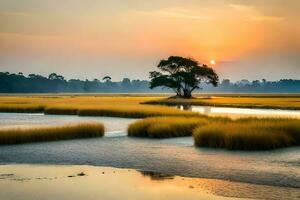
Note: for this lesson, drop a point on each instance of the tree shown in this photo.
(106, 78)
(126, 83)
(54, 76)
(183, 75)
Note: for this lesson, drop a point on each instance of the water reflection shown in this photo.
(184, 107)
(241, 112)
(47, 182)
(54, 182)
(175, 156)
(115, 126)
(156, 176)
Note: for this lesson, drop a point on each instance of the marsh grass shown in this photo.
(165, 127)
(111, 106)
(61, 110)
(21, 108)
(216, 132)
(130, 111)
(134, 111)
(39, 134)
(288, 102)
(249, 134)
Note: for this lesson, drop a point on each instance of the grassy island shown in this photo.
(243, 134)
(101, 105)
(275, 101)
(39, 134)
(166, 127)
(249, 134)
(162, 121)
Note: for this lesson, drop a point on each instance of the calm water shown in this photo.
(113, 126)
(242, 112)
(48, 182)
(176, 156)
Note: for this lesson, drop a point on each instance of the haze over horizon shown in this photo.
(248, 39)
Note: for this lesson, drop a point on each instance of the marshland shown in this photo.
(272, 171)
(149, 100)
(244, 149)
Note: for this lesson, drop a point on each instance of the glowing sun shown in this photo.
(212, 62)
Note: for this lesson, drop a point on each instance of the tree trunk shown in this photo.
(187, 93)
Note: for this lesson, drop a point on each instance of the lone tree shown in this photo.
(183, 75)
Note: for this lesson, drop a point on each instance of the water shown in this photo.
(176, 156)
(242, 112)
(113, 126)
(27, 182)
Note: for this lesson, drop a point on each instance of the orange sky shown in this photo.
(87, 38)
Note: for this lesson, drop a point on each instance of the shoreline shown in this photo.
(91, 182)
(219, 105)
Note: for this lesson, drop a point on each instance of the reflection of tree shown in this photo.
(156, 176)
(184, 107)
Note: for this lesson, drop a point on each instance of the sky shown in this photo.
(87, 39)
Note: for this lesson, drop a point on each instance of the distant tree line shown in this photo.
(256, 86)
(54, 83)
(18, 83)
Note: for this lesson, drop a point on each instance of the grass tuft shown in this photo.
(249, 134)
(39, 134)
(165, 127)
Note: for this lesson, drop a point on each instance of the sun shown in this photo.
(212, 62)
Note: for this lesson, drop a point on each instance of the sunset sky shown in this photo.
(251, 39)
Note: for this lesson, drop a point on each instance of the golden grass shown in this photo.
(243, 134)
(124, 105)
(280, 102)
(125, 111)
(134, 111)
(75, 100)
(114, 106)
(39, 134)
(61, 110)
(17, 108)
(165, 127)
(249, 134)
(117, 110)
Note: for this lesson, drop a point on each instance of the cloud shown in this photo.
(178, 13)
(287, 9)
(267, 18)
(241, 7)
(254, 14)
(184, 15)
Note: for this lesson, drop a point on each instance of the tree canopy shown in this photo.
(183, 75)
